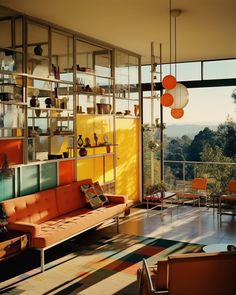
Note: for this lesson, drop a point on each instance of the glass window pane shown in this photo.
(146, 74)
(62, 55)
(221, 69)
(5, 29)
(207, 106)
(189, 71)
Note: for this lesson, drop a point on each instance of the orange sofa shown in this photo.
(191, 273)
(55, 215)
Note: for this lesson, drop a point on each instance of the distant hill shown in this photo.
(187, 129)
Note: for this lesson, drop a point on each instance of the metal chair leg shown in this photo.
(42, 262)
(117, 224)
(220, 206)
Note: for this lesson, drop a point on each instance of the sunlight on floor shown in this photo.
(183, 223)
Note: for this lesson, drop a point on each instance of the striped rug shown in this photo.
(89, 264)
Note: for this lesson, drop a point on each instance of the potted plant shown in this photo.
(153, 146)
(5, 170)
(156, 188)
(3, 221)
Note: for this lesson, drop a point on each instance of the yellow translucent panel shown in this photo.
(96, 169)
(128, 157)
(87, 125)
(101, 166)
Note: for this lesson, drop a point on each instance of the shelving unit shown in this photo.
(62, 85)
(94, 106)
(12, 102)
(127, 92)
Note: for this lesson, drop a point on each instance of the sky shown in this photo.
(206, 106)
(210, 105)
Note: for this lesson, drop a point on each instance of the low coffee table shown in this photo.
(159, 198)
(215, 248)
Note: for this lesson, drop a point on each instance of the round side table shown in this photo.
(215, 248)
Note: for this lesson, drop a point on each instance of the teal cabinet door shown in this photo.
(6, 187)
(48, 176)
(29, 180)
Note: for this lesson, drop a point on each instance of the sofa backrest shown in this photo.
(70, 197)
(202, 273)
(45, 205)
(35, 208)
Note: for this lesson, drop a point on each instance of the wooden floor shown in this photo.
(183, 223)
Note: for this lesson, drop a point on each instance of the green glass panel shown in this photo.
(29, 180)
(6, 187)
(48, 176)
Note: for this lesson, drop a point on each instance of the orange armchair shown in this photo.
(198, 190)
(229, 197)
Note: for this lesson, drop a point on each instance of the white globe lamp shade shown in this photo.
(180, 95)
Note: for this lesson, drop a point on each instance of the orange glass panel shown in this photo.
(66, 172)
(13, 148)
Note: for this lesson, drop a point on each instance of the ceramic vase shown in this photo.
(10, 117)
(38, 50)
(80, 141)
(82, 152)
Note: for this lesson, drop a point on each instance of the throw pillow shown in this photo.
(100, 192)
(91, 196)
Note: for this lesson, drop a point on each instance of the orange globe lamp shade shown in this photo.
(177, 113)
(169, 82)
(167, 99)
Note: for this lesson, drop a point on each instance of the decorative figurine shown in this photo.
(87, 142)
(105, 137)
(136, 110)
(96, 139)
(48, 102)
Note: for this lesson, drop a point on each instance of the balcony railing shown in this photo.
(179, 174)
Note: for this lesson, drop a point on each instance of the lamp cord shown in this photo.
(170, 34)
(175, 51)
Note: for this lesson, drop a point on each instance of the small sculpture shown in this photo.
(105, 137)
(136, 110)
(96, 139)
(48, 102)
(87, 142)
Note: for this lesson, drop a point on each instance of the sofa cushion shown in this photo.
(70, 197)
(73, 223)
(91, 196)
(35, 208)
(100, 192)
(94, 195)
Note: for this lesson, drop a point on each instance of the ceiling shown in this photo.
(205, 29)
